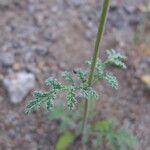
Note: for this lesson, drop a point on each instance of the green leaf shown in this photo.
(53, 83)
(112, 80)
(68, 77)
(115, 58)
(89, 93)
(34, 104)
(39, 94)
(50, 104)
(64, 141)
(39, 98)
(103, 125)
(100, 65)
(71, 99)
(50, 99)
(82, 75)
(100, 69)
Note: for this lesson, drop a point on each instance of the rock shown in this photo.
(19, 85)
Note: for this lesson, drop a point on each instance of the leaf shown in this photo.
(53, 83)
(64, 141)
(115, 58)
(82, 75)
(34, 104)
(71, 99)
(39, 98)
(102, 125)
(100, 69)
(50, 104)
(112, 80)
(89, 94)
(100, 65)
(50, 99)
(68, 77)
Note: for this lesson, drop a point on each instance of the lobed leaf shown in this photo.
(115, 58)
(100, 69)
(112, 80)
(68, 77)
(39, 98)
(89, 93)
(82, 75)
(53, 83)
(71, 99)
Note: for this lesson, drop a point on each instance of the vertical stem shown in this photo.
(99, 37)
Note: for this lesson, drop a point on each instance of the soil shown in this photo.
(45, 37)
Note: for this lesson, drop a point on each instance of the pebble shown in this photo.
(19, 85)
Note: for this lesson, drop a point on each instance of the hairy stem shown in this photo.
(99, 37)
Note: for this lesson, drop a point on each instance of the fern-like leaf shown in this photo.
(112, 80)
(100, 70)
(89, 94)
(53, 83)
(82, 75)
(68, 77)
(115, 58)
(71, 99)
(39, 99)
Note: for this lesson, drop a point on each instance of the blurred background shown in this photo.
(41, 38)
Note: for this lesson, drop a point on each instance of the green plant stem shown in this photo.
(101, 28)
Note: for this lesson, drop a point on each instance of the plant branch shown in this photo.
(99, 37)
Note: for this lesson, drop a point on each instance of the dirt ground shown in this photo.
(45, 37)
